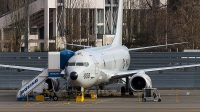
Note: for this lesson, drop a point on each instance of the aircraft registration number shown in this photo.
(86, 75)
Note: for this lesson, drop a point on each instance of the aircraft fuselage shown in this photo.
(84, 68)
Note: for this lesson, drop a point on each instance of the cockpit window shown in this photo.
(71, 64)
(86, 64)
(79, 64)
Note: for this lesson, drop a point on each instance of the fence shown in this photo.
(11, 79)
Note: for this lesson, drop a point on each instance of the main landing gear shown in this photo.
(125, 89)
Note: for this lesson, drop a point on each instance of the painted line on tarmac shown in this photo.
(60, 104)
(81, 103)
(32, 104)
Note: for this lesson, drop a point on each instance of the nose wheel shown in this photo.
(55, 98)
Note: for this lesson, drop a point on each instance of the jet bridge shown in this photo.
(56, 63)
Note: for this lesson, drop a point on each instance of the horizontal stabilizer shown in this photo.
(84, 46)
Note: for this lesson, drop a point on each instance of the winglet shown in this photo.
(118, 36)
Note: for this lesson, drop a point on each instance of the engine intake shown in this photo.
(140, 81)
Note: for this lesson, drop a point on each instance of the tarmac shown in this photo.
(172, 101)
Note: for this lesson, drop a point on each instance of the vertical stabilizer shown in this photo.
(118, 35)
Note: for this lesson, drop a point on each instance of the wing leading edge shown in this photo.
(125, 73)
(23, 67)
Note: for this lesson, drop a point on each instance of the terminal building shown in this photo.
(48, 24)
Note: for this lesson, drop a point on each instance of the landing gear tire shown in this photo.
(123, 91)
(55, 98)
(144, 100)
(131, 93)
(159, 100)
(142, 96)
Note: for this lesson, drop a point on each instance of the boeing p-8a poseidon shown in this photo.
(103, 65)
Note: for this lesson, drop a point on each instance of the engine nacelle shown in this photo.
(52, 83)
(139, 81)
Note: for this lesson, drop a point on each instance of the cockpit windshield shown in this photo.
(71, 64)
(86, 64)
(79, 64)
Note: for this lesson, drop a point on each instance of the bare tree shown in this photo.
(185, 22)
(145, 23)
(74, 22)
(15, 26)
(4, 5)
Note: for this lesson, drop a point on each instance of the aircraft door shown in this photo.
(96, 64)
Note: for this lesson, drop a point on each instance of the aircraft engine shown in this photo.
(52, 83)
(139, 81)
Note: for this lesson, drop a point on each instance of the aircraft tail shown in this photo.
(118, 35)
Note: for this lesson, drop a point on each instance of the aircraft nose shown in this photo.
(73, 75)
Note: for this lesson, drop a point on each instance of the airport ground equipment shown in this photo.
(39, 98)
(30, 85)
(50, 95)
(37, 85)
(66, 91)
(48, 78)
(150, 94)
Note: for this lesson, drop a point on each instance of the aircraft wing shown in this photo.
(141, 48)
(22, 67)
(125, 73)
